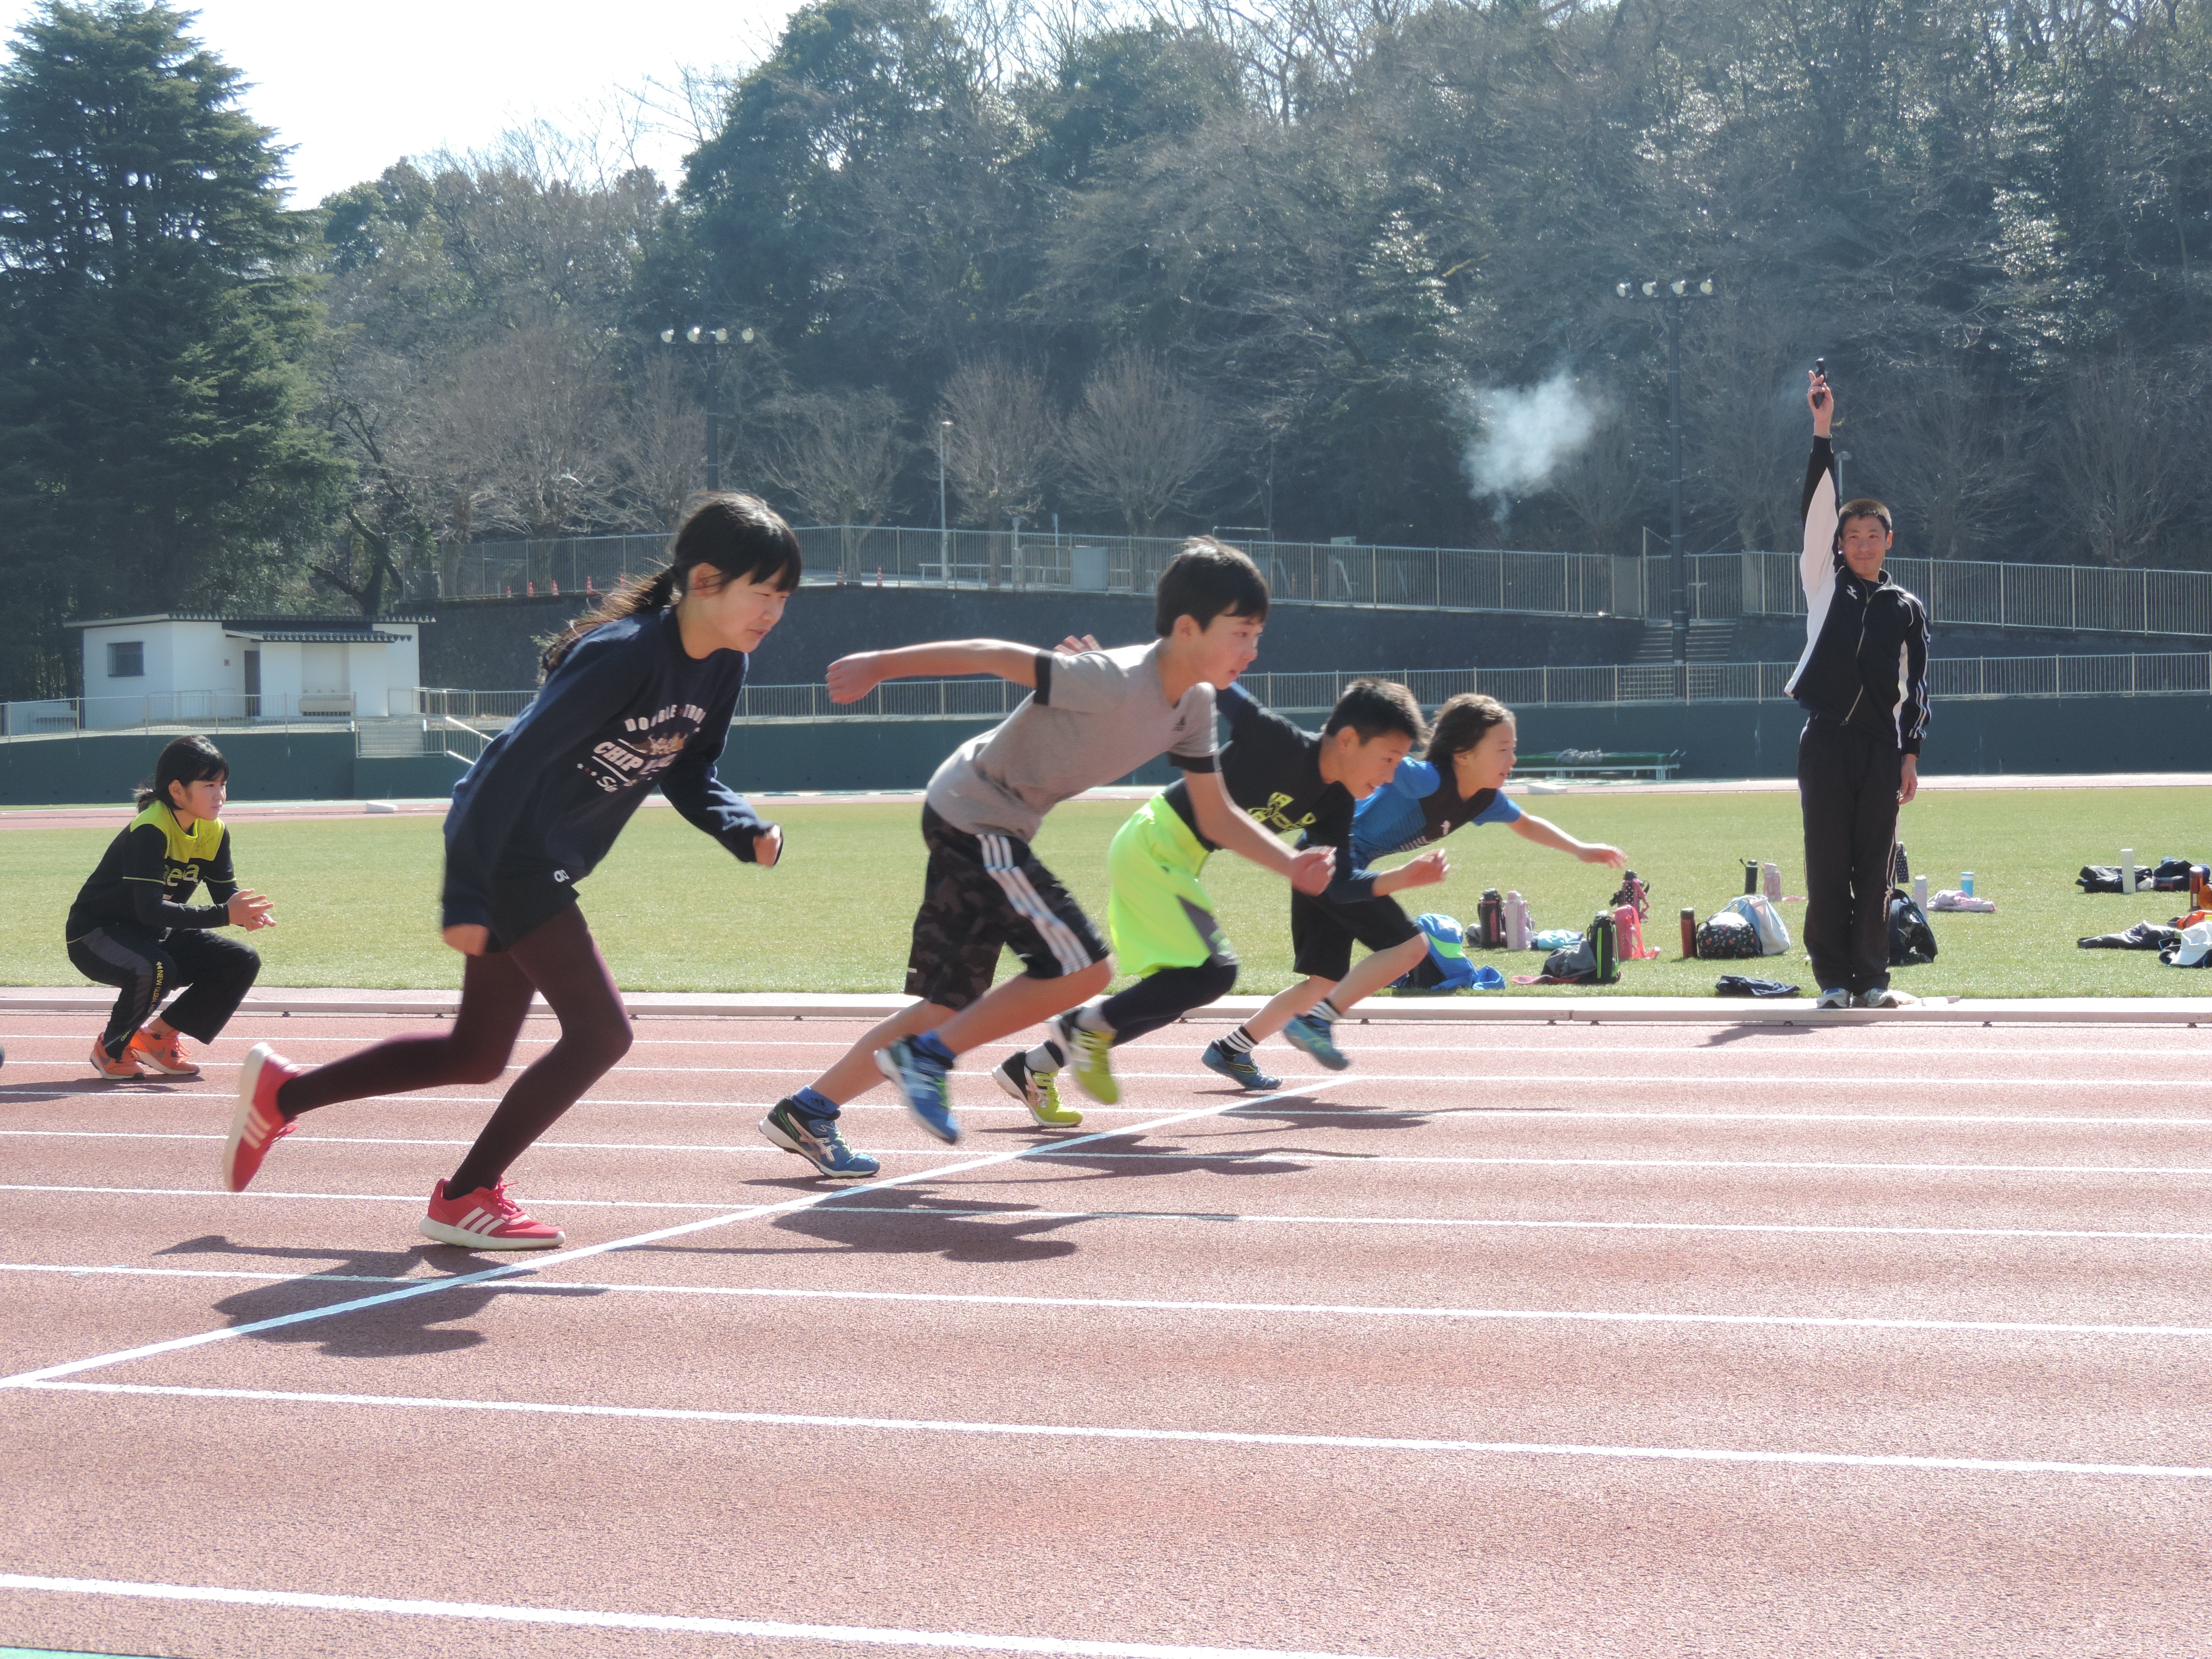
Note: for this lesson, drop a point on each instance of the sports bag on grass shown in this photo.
(1759, 910)
(1911, 940)
(1445, 968)
(1726, 936)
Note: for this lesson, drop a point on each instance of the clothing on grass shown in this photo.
(558, 960)
(1847, 784)
(982, 894)
(1421, 804)
(628, 710)
(148, 872)
(1865, 661)
(214, 972)
(1095, 717)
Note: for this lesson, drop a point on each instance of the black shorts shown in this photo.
(1322, 933)
(983, 893)
(520, 905)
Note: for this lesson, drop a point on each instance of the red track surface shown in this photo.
(1574, 1272)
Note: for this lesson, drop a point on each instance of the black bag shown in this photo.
(2105, 878)
(1594, 961)
(1911, 940)
(1726, 936)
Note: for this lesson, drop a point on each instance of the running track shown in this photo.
(1516, 1339)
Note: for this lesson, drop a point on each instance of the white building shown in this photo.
(187, 667)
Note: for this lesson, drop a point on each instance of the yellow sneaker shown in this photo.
(1038, 1090)
(1089, 1056)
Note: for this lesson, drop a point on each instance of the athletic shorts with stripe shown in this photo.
(1160, 915)
(1323, 933)
(982, 893)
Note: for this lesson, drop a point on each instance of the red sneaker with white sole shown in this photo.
(165, 1055)
(485, 1219)
(256, 1124)
(116, 1069)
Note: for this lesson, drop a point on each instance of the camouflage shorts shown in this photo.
(984, 894)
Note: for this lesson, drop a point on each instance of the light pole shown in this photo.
(1674, 292)
(710, 341)
(943, 524)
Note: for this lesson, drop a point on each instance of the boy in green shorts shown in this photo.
(1293, 782)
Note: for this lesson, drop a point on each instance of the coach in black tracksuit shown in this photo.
(1862, 683)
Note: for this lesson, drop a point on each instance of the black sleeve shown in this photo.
(1822, 460)
(222, 880)
(694, 788)
(1044, 679)
(145, 877)
(1912, 715)
(1197, 762)
(1347, 883)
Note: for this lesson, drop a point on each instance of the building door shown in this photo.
(253, 682)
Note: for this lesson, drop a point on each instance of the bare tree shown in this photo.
(1743, 380)
(2125, 448)
(839, 456)
(661, 446)
(1953, 456)
(1140, 439)
(544, 399)
(1606, 484)
(1001, 443)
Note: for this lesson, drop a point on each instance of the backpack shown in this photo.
(1726, 936)
(1759, 912)
(1911, 940)
(1596, 961)
(1445, 968)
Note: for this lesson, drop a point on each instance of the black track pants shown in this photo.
(148, 967)
(1847, 784)
(1165, 997)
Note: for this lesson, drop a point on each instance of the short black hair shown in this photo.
(1376, 708)
(1206, 579)
(1864, 507)
(1463, 722)
(183, 760)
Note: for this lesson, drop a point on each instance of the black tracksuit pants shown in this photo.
(149, 965)
(1847, 784)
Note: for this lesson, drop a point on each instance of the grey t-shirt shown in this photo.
(1092, 718)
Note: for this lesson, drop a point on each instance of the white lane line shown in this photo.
(684, 1624)
(554, 1258)
(1201, 1436)
(540, 1200)
(1293, 1154)
(1503, 1079)
(1299, 1309)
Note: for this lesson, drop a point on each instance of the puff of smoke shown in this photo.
(1519, 436)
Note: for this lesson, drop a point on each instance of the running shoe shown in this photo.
(485, 1219)
(1885, 998)
(1237, 1065)
(165, 1055)
(1834, 997)
(924, 1084)
(817, 1140)
(256, 1124)
(1090, 1057)
(1038, 1090)
(1316, 1037)
(118, 1069)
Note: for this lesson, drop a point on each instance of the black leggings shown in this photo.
(1165, 997)
(560, 959)
(148, 966)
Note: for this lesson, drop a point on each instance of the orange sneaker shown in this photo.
(165, 1055)
(127, 1067)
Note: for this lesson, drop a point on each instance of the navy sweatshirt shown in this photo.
(627, 711)
(1865, 663)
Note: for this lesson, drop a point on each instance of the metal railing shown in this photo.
(180, 711)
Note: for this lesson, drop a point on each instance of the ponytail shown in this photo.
(183, 760)
(739, 537)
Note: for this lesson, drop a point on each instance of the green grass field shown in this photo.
(356, 897)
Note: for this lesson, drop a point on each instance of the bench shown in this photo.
(1598, 763)
(327, 702)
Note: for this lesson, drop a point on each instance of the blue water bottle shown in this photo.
(1966, 882)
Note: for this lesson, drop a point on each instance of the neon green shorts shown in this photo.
(1161, 917)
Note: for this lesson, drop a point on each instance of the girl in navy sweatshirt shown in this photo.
(638, 694)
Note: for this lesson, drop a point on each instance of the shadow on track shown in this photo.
(1744, 1033)
(398, 1330)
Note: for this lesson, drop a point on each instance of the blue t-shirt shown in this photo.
(627, 710)
(1416, 807)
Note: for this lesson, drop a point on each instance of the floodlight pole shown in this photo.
(943, 524)
(710, 341)
(1678, 577)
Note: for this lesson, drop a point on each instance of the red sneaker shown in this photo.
(165, 1055)
(118, 1069)
(485, 1219)
(256, 1124)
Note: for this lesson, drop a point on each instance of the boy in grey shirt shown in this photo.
(1095, 716)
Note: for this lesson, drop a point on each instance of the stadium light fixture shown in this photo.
(710, 341)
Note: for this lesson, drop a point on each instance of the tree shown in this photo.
(661, 444)
(1002, 443)
(1139, 439)
(839, 456)
(2128, 447)
(155, 413)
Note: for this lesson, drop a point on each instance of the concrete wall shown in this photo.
(264, 766)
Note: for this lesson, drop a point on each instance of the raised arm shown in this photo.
(1816, 563)
(853, 677)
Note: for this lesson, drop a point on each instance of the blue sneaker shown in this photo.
(1316, 1038)
(817, 1140)
(1237, 1065)
(924, 1083)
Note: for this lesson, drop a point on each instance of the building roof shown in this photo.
(312, 636)
(352, 623)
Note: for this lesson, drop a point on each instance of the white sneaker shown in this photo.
(1886, 998)
(1834, 997)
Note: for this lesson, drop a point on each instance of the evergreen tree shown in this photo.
(154, 448)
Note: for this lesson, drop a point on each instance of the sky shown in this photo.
(352, 87)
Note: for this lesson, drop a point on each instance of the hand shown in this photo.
(1821, 400)
(768, 845)
(1429, 869)
(248, 910)
(1075, 646)
(853, 677)
(1908, 783)
(469, 939)
(1590, 853)
(1312, 870)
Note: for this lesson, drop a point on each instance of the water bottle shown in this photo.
(1517, 922)
(1750, 876)
(1966, 882)
(1491, 913)
(1689, 932)
(1920, 891)
(1769, 876)
(2127, 869)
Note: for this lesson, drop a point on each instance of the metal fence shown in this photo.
(182, 711)
(2084, 599)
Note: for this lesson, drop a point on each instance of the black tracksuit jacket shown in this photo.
(1865, 664)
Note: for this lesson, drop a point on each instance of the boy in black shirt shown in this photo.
(1294, 783)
